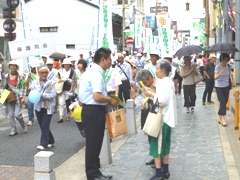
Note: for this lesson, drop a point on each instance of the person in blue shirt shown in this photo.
(93, 96)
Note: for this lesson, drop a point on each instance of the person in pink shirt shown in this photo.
(205, 59)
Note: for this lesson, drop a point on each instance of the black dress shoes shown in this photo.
(103, 177)
(151, 162)
(107, 176)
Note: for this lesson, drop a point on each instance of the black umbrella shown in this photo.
(223, 47)
(58, 56)
(188, 50)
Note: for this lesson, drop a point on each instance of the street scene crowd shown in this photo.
(63, 85)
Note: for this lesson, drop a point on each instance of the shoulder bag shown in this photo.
(197, 77)
(59, 85)
(129, 86)
(154, 121)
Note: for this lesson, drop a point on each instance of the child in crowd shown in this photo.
(72, 106)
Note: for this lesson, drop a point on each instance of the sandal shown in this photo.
(60, 121)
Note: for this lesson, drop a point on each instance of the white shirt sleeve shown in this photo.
(162, 92)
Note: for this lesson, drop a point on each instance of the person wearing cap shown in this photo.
(139, 63)
(154, 57)
(125, 72)
(124, 53)
(53, 73)
(145, 58)
(93, 96)
(64, 99)
(209, 79)
(114, 59)
(73, 60)
(15, 81)
(45, 107)
(81, 55)
(44, 60)
(31, 76)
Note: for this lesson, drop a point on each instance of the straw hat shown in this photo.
(131, 62)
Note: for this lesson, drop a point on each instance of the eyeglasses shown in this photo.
(44, 72)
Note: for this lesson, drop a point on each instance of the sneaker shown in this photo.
(192, 109)
(50, 145)
(13, 133)
(187, 110)
(40, 148)
(60, 121)
(210, 102)
(203, 103)
(30, 123)
(25, 129)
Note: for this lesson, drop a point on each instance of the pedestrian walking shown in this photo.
(45, 107)
(125, 72)
(189, 87)
(223, 82)
(93, 96)
(209, 80)
(200, 64)
(64, 99)
(167, 101)
(31, 76)
(15, 84)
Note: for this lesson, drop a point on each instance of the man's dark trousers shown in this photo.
(124, 90)
(93, 118)
(208, 89)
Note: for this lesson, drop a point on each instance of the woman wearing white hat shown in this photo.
(63, 98)
(15, 84)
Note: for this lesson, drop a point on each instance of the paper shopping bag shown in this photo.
(116, 123)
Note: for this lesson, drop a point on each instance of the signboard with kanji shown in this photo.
(31, 47)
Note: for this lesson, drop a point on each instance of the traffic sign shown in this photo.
(129, 40)
(9, 13)
(10, 36)
(9, 25)
(12, 3)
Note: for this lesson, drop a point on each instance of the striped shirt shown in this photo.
(223, 80)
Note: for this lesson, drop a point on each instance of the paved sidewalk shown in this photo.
(196, 150)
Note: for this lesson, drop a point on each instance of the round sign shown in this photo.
(129, 40)
(162, 21)
(9, 25)
(12, 3)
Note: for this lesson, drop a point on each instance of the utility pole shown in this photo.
(237, 42)
(123, 25)
(225, 22)
(207, 22)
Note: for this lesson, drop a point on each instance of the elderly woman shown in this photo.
(15, 84)
(189, 87)
(45, 107)
(223, 81)
(64, 99)
(165, 96)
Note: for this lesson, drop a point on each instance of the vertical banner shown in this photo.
(163, 25)
(105, 38)
(138, 31)
(149, 40)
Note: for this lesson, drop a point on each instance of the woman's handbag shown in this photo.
(197, 77)
(116, 123)
(59, 87)
(154, 122)
(11, 97)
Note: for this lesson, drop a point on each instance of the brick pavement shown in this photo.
(16, 173)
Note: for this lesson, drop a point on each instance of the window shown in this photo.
(120, 1)
(70, 46)
(49, 29)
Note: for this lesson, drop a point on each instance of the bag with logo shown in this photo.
(116, 123)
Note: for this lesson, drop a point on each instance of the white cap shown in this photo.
(13, 62)
(135, 52)
(124, 52)
(43, 68)
(66, 61)
(154, 52)
(49, 61)
(145, 51)
(139, 54)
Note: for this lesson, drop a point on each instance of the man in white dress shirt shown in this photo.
(125, 72)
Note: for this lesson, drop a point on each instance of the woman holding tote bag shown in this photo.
(165, 95)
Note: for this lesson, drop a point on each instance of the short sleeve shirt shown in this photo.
(189, 79)
(210, 68)
(92, 81)
(223, 80)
